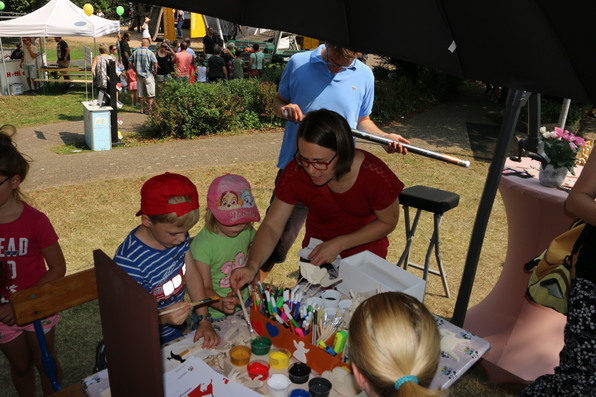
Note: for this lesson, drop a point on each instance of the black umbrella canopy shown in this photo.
(538, 46)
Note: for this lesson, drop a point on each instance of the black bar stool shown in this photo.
(437, 201)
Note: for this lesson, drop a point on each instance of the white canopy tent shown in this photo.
(55, 19)
(58, 18)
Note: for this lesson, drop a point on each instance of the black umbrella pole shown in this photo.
(514, 102)
(411, 148)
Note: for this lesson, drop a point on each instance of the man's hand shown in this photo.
(395, 146)
(292, 112)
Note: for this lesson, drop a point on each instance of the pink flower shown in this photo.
(573, 146)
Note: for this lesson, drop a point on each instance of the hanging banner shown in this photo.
(168, 24)
(197, 25)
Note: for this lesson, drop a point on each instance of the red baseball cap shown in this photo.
(156, 192)
(231, 201)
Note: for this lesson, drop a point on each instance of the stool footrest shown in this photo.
(420, 267)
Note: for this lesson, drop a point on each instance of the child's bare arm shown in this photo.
(196, 289)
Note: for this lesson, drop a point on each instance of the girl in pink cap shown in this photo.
(222, 245)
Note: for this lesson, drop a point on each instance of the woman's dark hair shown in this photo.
(329, 129)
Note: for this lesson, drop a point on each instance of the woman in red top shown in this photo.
(351, 196)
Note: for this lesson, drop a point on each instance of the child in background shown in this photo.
(131, 75)
(394, 346)
(156, 254)
(201, 71)
(238, 66)
(28, 243)
(222, 245)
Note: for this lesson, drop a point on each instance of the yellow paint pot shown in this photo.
(239, 355)
(279, 358)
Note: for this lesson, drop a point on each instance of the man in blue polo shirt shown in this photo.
(329, 77)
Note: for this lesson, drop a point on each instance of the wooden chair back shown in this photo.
(46, 299)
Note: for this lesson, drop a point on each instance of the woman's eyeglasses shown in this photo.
(317, 165)
(7, 178)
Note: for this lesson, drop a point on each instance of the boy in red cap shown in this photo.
(222, 245)
(156, 254)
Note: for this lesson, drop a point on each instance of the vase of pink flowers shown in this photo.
(561, 147)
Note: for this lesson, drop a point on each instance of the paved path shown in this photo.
(442, 128)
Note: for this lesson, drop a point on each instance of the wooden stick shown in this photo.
(245, 312)
(213, 298)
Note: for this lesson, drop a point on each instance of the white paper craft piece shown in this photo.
(449, 342)
(197, 378)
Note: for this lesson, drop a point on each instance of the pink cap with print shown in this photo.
(231, 201)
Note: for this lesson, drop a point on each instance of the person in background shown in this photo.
(29, 62)
(133, 85)
(144, 62)
(165, 63)
(99, 70)
(201, 70)
(156, 253)
(238, 66)
(576, 373)
(145, 29)
(222, 245)
(209, 42)
(63, 56)
(125, 49)
(29, 255)
(305, 87)
(256, 62)
(179, 21)
(182, 64)
(216, 66)
(188, 49)
(395, 346)
(352, 197)
(17, 53)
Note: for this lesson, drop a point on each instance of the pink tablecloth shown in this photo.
(526, 338)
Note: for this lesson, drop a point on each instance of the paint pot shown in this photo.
(345, 304)
(314, 302)
(299, 373)
(299, 393)
(258, 369)
(319, 387)
(279, 358)
(331, 298)
(239, 355)
(278, 385)
(260, 345)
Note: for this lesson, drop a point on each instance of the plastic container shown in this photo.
(278, 385)
(279, 358)
(299, 373)
(331, 298)
(260, 345)
(239, 355)
(319, 387)
(258, 369)
(299, 393)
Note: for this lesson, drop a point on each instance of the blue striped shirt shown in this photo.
(160, 272)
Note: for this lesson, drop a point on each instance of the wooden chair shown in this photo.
(43, 300)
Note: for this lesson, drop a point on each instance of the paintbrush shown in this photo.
(245, 312)
(213, 298)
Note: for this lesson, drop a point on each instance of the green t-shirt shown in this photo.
(222, 254)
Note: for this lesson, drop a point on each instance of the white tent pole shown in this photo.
(564, 113)
(4, 66)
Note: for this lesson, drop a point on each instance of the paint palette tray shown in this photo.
(366, 272)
